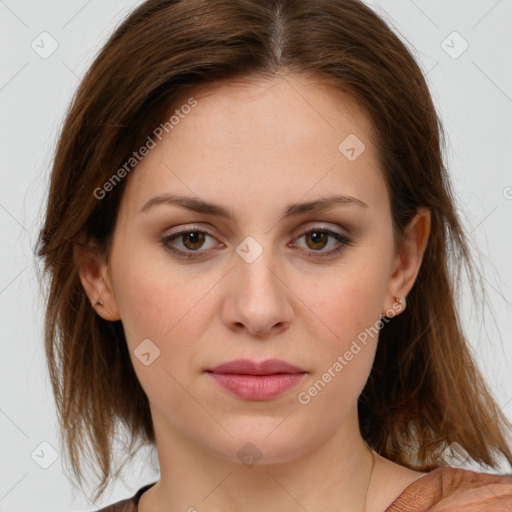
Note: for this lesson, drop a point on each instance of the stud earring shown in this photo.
(398, 300)
(99, 303)
(402, 302)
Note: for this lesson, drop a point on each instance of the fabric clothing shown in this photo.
(443, 489)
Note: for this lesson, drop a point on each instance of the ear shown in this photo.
(408, 259)
(94, 276)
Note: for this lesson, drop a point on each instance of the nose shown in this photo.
(258, 298)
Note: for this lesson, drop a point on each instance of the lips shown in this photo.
(248, 367)
(250, 380)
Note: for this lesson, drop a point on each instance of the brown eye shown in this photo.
(319, 239)
(189, 243)
(316, 240)
(193, 240)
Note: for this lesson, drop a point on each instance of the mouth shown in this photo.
(255, 381)
(248, 367)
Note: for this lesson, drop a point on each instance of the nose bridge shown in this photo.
(260, 276)
(259, 298)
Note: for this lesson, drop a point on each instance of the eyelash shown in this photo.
(344, 242)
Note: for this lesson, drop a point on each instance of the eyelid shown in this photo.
(188, 229)
(321, 226)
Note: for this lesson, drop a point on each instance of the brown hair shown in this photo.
(424, 391)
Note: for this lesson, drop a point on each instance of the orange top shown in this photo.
(443, 489)
(447, 489)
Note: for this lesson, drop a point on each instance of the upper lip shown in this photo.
(248, 367)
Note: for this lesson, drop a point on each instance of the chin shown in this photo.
(262, 444)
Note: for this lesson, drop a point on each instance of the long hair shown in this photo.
(425, 390)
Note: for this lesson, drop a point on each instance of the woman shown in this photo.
(253, 251)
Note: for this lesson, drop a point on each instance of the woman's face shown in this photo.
(260, 276)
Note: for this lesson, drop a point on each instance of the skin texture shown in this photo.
(254, 147)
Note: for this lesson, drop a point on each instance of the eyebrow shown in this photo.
(292, 210)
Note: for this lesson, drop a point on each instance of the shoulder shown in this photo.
(129, 504)
(447, 488)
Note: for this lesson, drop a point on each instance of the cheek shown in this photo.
(164, 304)
(162, 307)
(150, 296)
(347, 301)
(346, 306)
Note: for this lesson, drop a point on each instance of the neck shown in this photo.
(332, 475)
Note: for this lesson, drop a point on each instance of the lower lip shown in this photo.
(257, 387)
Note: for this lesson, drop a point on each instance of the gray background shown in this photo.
(472, 90)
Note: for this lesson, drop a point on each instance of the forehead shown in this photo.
(290, 106)
(287, 136)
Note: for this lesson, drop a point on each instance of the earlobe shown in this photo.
(94, 278)
(409, 257)
(399, 305)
